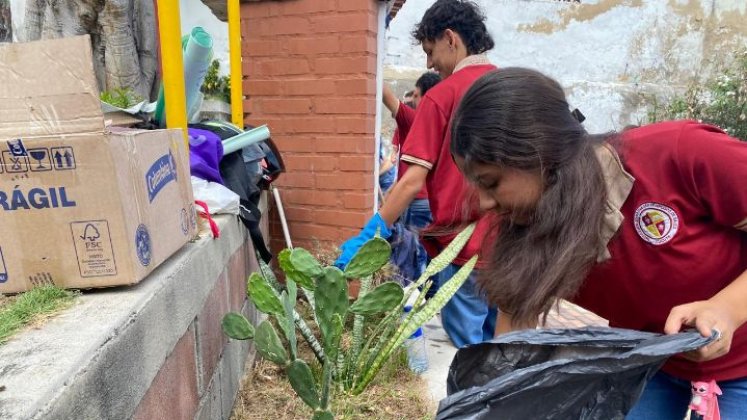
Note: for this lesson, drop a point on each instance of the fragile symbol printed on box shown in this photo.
(40, 161)
(93, 247)
(63, 158)
(19, 159)
(3, 268)
(15, 164)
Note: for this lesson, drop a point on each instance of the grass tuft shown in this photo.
(18, 311)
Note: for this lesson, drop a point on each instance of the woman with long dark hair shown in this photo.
(647, 228)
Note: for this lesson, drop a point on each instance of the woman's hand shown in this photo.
(705, 316)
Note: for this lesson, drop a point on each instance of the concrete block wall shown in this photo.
(310, 74)
(150, 351)
(201, 376)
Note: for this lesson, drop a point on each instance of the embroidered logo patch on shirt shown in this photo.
(656, 223)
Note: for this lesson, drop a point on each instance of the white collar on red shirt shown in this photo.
(619, 183)
(472, 60)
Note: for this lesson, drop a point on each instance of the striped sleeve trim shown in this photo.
(417, 161)
(742, 225)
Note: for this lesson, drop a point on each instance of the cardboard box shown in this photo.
(81, 206)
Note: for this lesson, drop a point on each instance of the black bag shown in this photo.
(589, 373)
(242, 173)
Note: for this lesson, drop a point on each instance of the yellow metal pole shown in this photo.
(172, 65)
(234, 45)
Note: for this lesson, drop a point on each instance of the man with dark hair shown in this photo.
(454, 38)
(424, 83)
(418, 214)
(411, 259)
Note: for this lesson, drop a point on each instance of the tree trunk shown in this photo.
(35, 12)
(6, 27)
(123, 37)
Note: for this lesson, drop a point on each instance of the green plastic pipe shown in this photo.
(198, 52)
(246, 138)
(197, 49)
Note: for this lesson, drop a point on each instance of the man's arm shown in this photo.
(403, 193)
(388, 162)
(390, 101)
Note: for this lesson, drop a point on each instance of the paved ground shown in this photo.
(441, 351)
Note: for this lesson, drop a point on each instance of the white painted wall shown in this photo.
(605, 52)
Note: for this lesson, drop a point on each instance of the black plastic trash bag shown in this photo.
(589, 373)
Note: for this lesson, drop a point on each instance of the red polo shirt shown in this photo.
(683, 238)
(404, 118)
(451, 198)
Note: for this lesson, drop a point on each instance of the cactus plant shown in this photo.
(369, 259)
(287, 323)
(409, 326)
(345, 364)
(382, 299)
(301, 324)
(237, 326)
(292, 272)
(326, 287)
(323, 415)
(331, 295)
(268, 344)
(304, 275)
(302, 381)
(305, 264)
(264, 296)
(385, 331)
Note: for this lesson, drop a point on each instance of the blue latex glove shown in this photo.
(352, 245)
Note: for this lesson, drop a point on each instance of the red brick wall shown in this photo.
(310, 74)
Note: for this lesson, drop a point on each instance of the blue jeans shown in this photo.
(416, 217)
(666, 397)
(467, 318)
(386, 179)
(418, 214)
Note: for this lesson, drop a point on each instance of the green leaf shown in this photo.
(369, 259)
(305, 263)
(382, 299)
(237, 326)
(323, 415)
(264, 296)
(303, 280)
(302, 381)
(268, 344)
(417, 319)
(331, 296)
(287, 323)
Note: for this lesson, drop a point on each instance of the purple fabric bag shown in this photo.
(205, 153)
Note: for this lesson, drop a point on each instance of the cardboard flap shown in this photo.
(48, 87)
